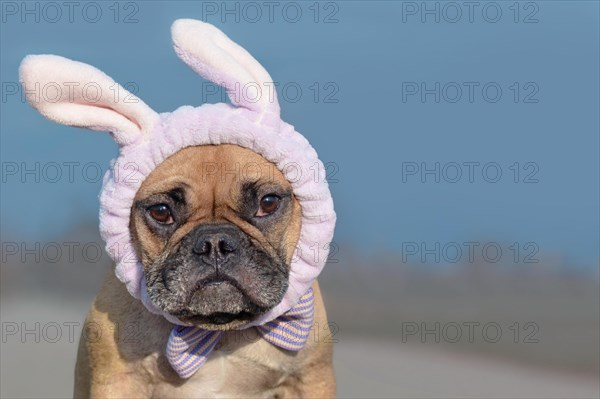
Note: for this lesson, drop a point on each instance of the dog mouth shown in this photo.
(218, 318)
(216, 281)
(217, 300)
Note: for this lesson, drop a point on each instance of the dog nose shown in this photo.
(215, 243)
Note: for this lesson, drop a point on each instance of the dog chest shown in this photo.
(234, 370)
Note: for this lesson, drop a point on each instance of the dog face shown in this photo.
(215, 227)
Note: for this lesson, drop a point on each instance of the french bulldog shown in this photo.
(214, 291)
(216, 244)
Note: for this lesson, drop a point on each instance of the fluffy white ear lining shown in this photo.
(76, 94)
(215, 57)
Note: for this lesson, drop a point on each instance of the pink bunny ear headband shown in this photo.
(77, 94)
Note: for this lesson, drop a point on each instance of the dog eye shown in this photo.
(268, 204)
(161, 213)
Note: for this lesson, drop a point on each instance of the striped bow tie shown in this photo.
(189, 347)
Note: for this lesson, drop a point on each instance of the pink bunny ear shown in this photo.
(76, 94)
(214, 56)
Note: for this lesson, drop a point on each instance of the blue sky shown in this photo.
(387, 93)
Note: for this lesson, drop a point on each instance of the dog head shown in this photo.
(215, 227)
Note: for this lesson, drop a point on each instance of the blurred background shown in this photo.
(461, 141)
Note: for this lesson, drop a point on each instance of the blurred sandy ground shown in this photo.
(370, 300)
